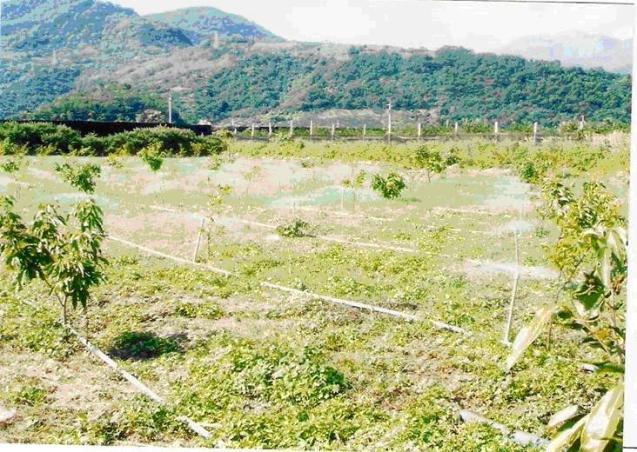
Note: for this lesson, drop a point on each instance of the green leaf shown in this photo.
(562, 416)
(603, 420)
(528, 335)
(589, 296)
(567, 437)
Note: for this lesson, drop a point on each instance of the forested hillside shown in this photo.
(452, 84)
(92, 60)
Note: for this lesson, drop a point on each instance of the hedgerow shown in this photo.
(51, 139)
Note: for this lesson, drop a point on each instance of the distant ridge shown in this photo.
(200, 23)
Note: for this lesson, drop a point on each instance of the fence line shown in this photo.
(313, 131)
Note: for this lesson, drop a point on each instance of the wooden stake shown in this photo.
(506, 337)
(201, 227)
(342, 198)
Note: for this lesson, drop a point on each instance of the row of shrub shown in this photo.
(51, 139)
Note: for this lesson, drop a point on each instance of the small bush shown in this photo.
(297, 228)
(142, 345)
(152, 156)
(208, 311)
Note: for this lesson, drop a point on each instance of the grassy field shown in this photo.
(259, 367)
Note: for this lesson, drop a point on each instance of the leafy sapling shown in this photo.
(430, 160)
(153, 156)
(354, 184)
(591, 256)
(12, 166)
(62, 251)
(390, 187)
(216, 202)
(82, 177)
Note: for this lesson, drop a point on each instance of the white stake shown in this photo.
(333, 131)
(419, 130)
(252, 132)
(455, 128)
(270, 129)
(291, 129)
(311, 129)
(535, 132)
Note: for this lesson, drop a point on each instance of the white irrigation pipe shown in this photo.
(469, 211)
(311, 295)
(325, 238)
(134, 381)
(141, 387)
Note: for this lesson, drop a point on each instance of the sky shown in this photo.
(413, 23)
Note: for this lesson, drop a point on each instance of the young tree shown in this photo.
(354, 184)
(430, 160)
(63, 251)
(82, 177)
(12, 166)
(389, 187)
(215, 206)
(591, 256)
(153, 156)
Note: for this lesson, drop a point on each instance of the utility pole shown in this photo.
(216, 44)
(170, 107)
(389, 124)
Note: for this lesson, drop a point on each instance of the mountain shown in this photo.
(43, 26)
(576, 49)
(202, 23)
(108, 63)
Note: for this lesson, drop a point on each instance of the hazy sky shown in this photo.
(412, 23)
